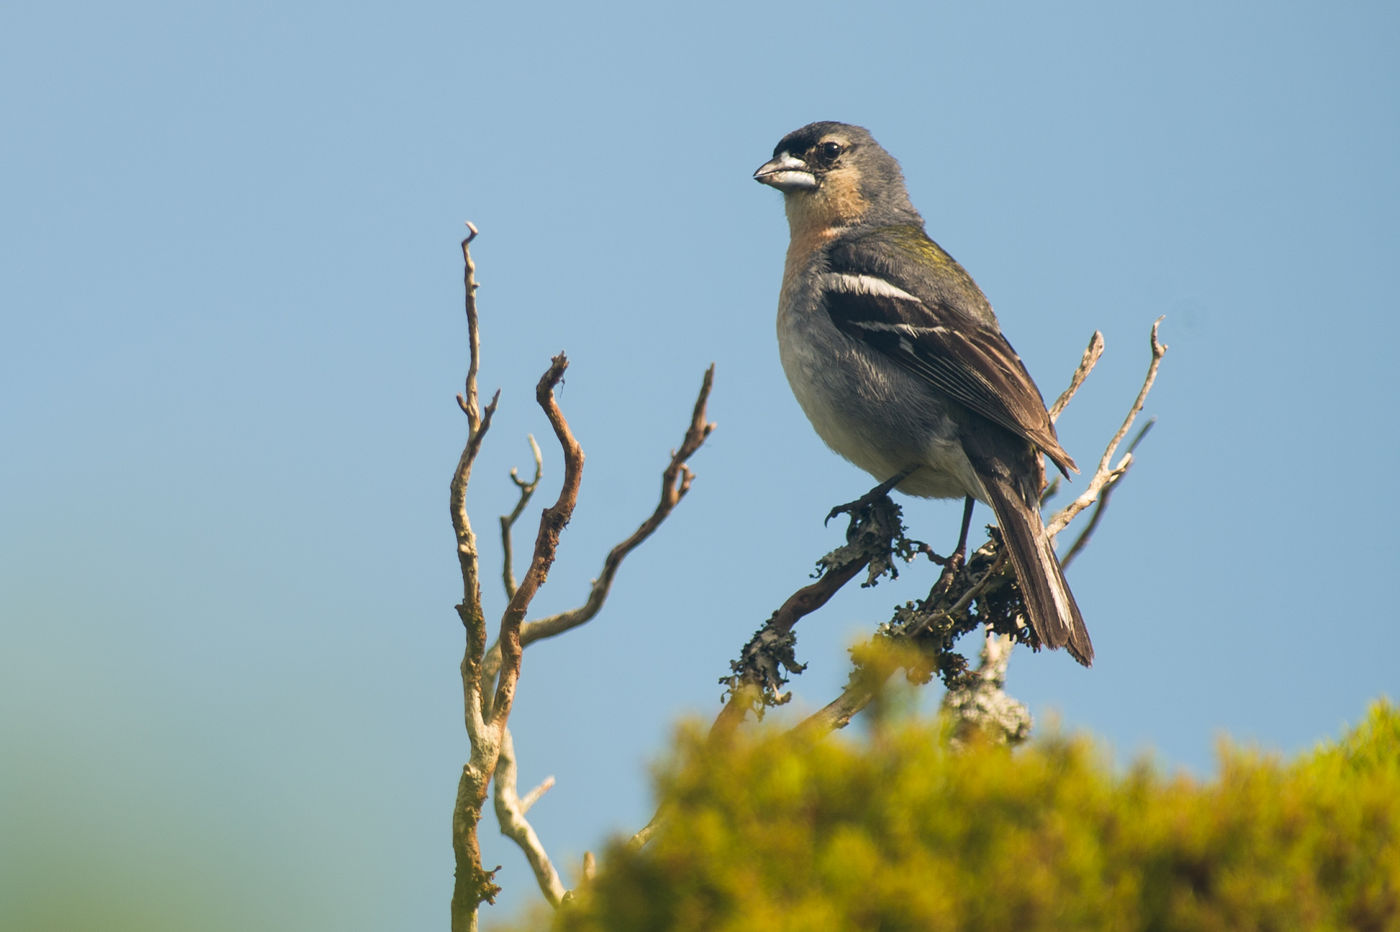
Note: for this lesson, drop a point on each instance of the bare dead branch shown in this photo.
(527, 802)
(552, 522)
(468, 404)
(1107, 473)
(474, 884)
(487, 712)
(676, 479)
(1092, 352)
(486, 721)
(510, 813)
(1096, 515)
(526, 489)
(675, 483)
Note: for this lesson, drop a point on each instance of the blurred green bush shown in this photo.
(896, 831)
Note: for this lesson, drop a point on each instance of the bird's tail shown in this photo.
(1053, 612)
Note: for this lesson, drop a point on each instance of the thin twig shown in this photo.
(1107, 473)
(1096, 515)
(1092, 352)
(676, 480)
(468, 404)
(526, 489)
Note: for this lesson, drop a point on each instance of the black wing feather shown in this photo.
(925, 332)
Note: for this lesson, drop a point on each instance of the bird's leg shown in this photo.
(855, 508)
(954, 561)
(961, 551)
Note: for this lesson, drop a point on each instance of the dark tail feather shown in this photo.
(1053, 612)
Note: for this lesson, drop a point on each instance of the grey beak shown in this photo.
(786, 173)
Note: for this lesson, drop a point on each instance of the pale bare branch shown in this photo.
(1107, 472)
(510, 813)
(1092, 352)
(1096, 515)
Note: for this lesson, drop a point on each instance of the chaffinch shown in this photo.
(895, 355)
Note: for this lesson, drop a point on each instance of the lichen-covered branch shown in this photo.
(756, 679)
(931, 625)
(982, 705)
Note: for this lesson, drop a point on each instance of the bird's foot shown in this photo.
(859, 508)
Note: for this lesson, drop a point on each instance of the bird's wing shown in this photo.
(889, 293)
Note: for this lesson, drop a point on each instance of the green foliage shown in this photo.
(899, 832)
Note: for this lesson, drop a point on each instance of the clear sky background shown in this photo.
(232, 332)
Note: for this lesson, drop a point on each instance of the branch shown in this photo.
(486, 721)
(675, 483)
(759, 672)
(1092, 352)
(875, 536)
(676, 479)
(1108, 473)
(510, 813)
(982, 706)
(552, 522)
(1096, 515)
(474, 884)
(527, 489)
(944, 614)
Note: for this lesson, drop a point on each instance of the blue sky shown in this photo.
(233, 333)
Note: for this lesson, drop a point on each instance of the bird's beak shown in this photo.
(786, 173)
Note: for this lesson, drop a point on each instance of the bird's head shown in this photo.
(836, 174)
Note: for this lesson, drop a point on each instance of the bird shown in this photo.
(895, 356)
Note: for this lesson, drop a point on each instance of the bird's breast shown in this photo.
(869, 409)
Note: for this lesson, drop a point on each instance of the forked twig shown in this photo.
(526, 489)
(676, 480)
(1107, 472)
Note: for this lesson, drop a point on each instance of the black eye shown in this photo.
(828, 151)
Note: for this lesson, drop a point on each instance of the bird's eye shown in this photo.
(829, 151)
